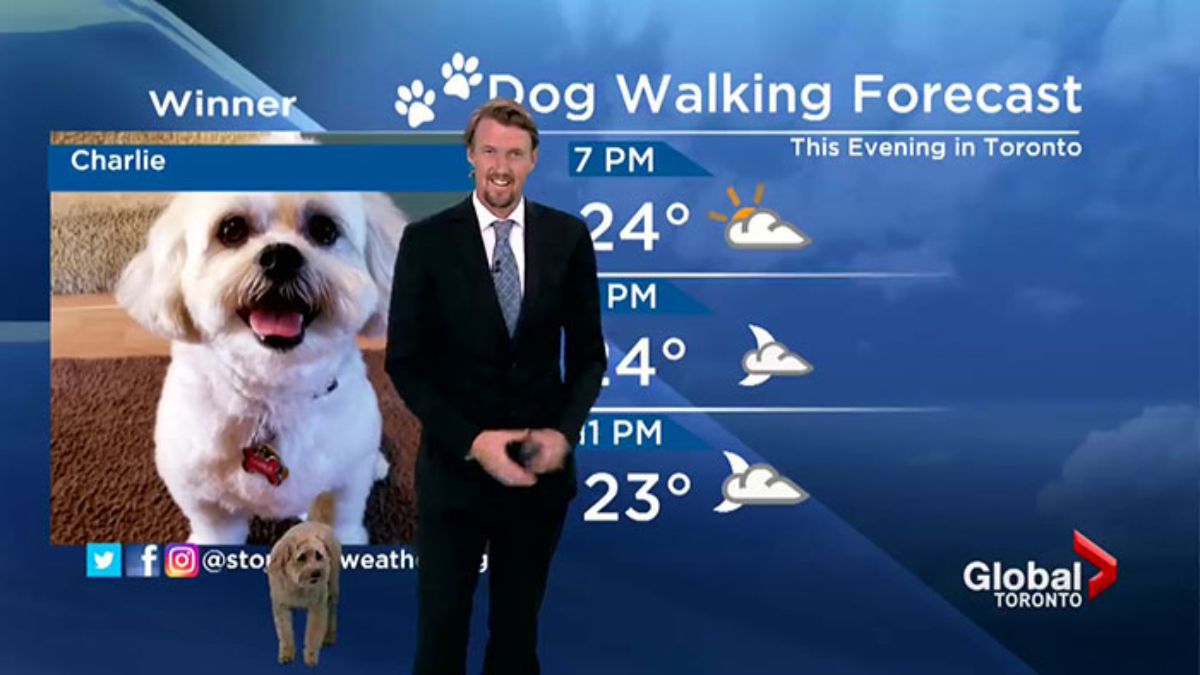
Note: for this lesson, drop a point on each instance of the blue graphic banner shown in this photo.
(630, 158)
(167, 168)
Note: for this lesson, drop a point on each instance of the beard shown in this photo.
(501, 198)
(500, 201)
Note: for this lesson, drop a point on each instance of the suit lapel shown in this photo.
(466, 230)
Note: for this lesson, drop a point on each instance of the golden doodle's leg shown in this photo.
(314, 635)
(331, 631)
(283, 629)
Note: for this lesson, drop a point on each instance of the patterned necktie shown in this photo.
(505, 275)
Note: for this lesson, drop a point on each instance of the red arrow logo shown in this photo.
(1089, 551)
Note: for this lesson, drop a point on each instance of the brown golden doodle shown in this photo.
(303, 574)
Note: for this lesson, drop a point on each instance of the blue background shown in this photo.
(1061, 339)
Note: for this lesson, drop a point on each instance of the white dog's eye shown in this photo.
(319, 556)
(322, 229)
(233, 230)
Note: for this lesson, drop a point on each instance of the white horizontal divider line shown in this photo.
(810, 132)
(735, 410)
(753, 132)
(773, 275)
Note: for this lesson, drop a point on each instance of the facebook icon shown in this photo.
(142, 560)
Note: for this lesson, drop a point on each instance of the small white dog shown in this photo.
(266, 402)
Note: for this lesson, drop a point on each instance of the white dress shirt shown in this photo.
(516, 236)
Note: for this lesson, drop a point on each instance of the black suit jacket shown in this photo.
(451, 359)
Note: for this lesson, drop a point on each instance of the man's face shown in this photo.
(502, 156)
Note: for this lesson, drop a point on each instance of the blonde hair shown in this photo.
(505, 111)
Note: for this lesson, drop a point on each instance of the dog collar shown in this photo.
(264, 459)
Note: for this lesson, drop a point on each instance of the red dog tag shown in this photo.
(264, 459)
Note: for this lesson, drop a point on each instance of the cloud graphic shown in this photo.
(775, 359)
(762, 484)
(1047, 303)
(1152, 456)
(755, 484)
(1133, 485)
(764, 230)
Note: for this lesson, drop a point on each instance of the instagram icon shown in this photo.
(183, 561)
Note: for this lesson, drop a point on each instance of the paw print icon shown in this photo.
(415, 103)
(460, 76)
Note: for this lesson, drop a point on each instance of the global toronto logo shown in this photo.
(1035, 587)
(415, 101)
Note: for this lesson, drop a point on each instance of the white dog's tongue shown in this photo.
(282, 324)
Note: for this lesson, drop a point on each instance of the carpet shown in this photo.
(94, 234)
(93, 237)
(103, 483)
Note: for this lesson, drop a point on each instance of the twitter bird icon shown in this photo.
(103, 560)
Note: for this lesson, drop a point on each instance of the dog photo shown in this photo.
(266, 402)
(217, 362)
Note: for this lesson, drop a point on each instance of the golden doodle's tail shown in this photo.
(323, 509)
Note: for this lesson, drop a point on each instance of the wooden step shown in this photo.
(94, 326)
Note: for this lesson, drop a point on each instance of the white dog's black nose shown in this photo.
(280, 262)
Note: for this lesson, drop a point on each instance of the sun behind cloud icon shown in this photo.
(765, 230)
(754, 227)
